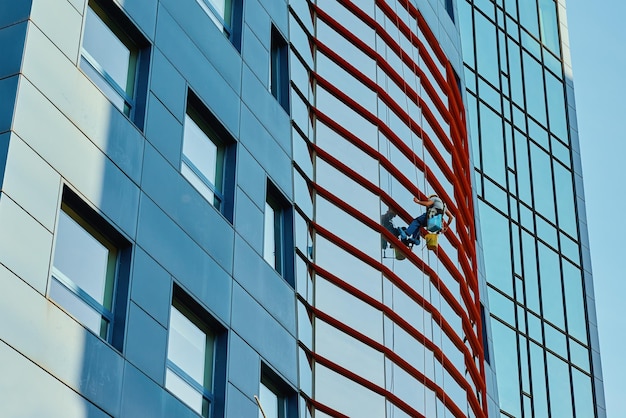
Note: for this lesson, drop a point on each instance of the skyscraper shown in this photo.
(201, 203)
(522, 117)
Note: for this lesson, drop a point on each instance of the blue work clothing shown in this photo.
(414, 227)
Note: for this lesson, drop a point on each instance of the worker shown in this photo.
(432, 220)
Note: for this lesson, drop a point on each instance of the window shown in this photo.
(278, 232)
(226, 14)
(90, 269)
(450, 9)
(483, 329)
(279, 69)
(114, 55)
(276, 399)
(208, 157)
(195, 370)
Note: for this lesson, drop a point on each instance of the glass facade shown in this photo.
(382, 122)
(526, 163)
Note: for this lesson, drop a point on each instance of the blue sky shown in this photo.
(597, 32)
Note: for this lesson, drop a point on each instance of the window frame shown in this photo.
(279, 68)
(225, 157)
(276, 259)
(133, 95)
(224, 20)
(188, 307)
(230, 22)
(286, 396)
(282, 233)
(112, 309)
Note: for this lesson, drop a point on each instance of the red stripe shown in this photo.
(398, 320)
(460, 175)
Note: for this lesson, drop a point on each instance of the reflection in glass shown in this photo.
(270, 236)
(549, 25)
(486, 49)
(497, 256)
(203, 158)
(109, 57)
(542, 185)
(348, 309)
(533, 87)
(537, 367)
(270, 402)
(556, 105)
(492, 145)
(565, 200)
(220, 13)
(579, 355)
(349, 352)
(528, 17)
(574, 301)
(190, 358)
(560, 393)
(522, 167)
(340, 393)
(556, 340)
(515, 73)
(83, 272)
(505, 354)
(551, 290)
(583, 394)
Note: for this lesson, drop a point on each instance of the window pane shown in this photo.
(583, 394)
(269, 402)
(81, 258)
(549, 25)
(107, 49)
(84, 313)
(560, 392)
(486, 49)
(110, 92)
(528, 17)
(197, 183)
(219, 11)
(184, 391)
(269, 245)
(200, 150)
(492, 144)
(551, 290)
(556, 106)
(542, 184)
(505, 354)
(574, 301)
(533, 87)
(497, 256)
(220, 6)
(187, 346)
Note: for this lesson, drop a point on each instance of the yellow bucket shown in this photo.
(432, 241)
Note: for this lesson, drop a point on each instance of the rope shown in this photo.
(410, 125)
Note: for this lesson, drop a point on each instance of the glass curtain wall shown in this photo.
(525, 170)
(384, 330)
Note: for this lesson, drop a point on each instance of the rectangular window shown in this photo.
(226, 14)
(195, 368)
(279, 69)
(276, 399)
(114, 55)
(208, 157)
(90, 269)
(278, 232)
